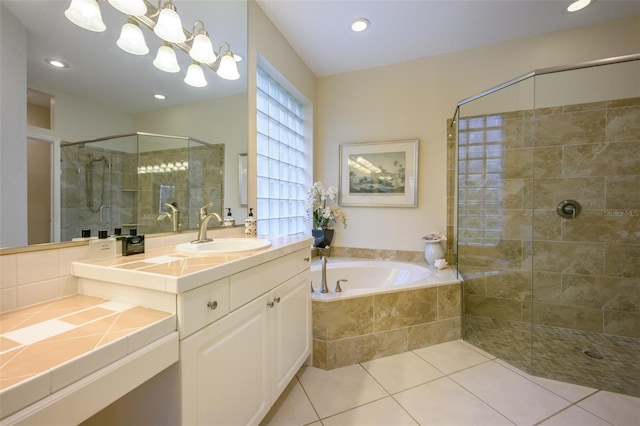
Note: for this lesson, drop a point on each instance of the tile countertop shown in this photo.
(45, 347)
(164, 269)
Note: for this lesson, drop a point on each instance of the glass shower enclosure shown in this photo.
(548, 222)
(136, 181)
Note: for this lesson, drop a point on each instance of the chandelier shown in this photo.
(165, 22)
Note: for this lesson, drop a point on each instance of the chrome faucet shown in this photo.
(174, 215)
(324, 288)
(204, 223)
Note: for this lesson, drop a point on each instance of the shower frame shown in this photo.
(524, 345)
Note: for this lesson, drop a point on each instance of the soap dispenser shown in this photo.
(228, 219)
(250, 225)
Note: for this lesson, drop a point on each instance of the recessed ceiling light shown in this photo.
(578, 5)
(56, 63)
(159, 96)
(360, 24)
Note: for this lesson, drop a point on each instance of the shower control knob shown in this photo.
(568, 209)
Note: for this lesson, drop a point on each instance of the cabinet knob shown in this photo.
(212, 305)
(306, 259)
(270, 304)
(277, 299)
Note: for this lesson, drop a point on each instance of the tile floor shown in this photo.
(453, 383)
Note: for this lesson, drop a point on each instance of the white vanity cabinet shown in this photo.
(234, 368)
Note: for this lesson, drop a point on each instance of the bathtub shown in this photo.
(367, 277)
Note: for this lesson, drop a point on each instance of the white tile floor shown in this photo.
(453, 383)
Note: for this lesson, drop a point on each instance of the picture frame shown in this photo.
(379, 174)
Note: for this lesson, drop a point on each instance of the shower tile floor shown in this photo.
(559, 353)
(452, 383)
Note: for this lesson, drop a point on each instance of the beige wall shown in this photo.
(414, 100)
(76, 118)
(268, 45)
(13, 149)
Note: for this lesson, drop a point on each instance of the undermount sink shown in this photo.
(224, 245)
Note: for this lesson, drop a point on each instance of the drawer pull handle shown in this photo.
(270, 304)
(306, 259)
(212, 305)
(277, 299)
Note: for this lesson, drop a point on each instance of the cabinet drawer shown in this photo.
(202, 306)
(247, 285)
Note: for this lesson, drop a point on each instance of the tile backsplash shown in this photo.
(37, 276)
(33, 275)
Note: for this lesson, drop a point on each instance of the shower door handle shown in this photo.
(102, 209)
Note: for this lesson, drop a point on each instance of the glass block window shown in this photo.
(481, 180)
(281, 160)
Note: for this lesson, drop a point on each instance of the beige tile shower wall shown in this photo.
(360, 329)
(149, 189)
(202, 183)
(586, 271)
(75, 196)
(206, 180)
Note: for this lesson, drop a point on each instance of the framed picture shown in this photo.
(383, 174)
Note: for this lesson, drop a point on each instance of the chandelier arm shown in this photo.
(224, 43)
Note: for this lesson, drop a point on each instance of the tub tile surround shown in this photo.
(354, 330)
(46, 347)
(584, 273)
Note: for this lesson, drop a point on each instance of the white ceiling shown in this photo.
(401, 30)
(317, 29)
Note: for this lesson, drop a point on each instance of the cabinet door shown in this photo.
(291, 332)
(225, 369)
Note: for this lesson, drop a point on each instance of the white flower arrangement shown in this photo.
(321, 206)
(434, 237)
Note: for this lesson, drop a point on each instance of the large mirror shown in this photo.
(106, 92)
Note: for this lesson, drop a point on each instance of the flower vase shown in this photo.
(433, 251)
(322, 236)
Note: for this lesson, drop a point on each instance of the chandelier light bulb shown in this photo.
(131, 39)
(195, 75)
(169, 25)
(85, 14)
(130, 7)
(202, 50)
(166, 59)
(228, 68)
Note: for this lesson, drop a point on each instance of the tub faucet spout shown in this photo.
(324, 288)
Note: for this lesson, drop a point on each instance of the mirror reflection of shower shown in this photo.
(113, 182)
(95, 175)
